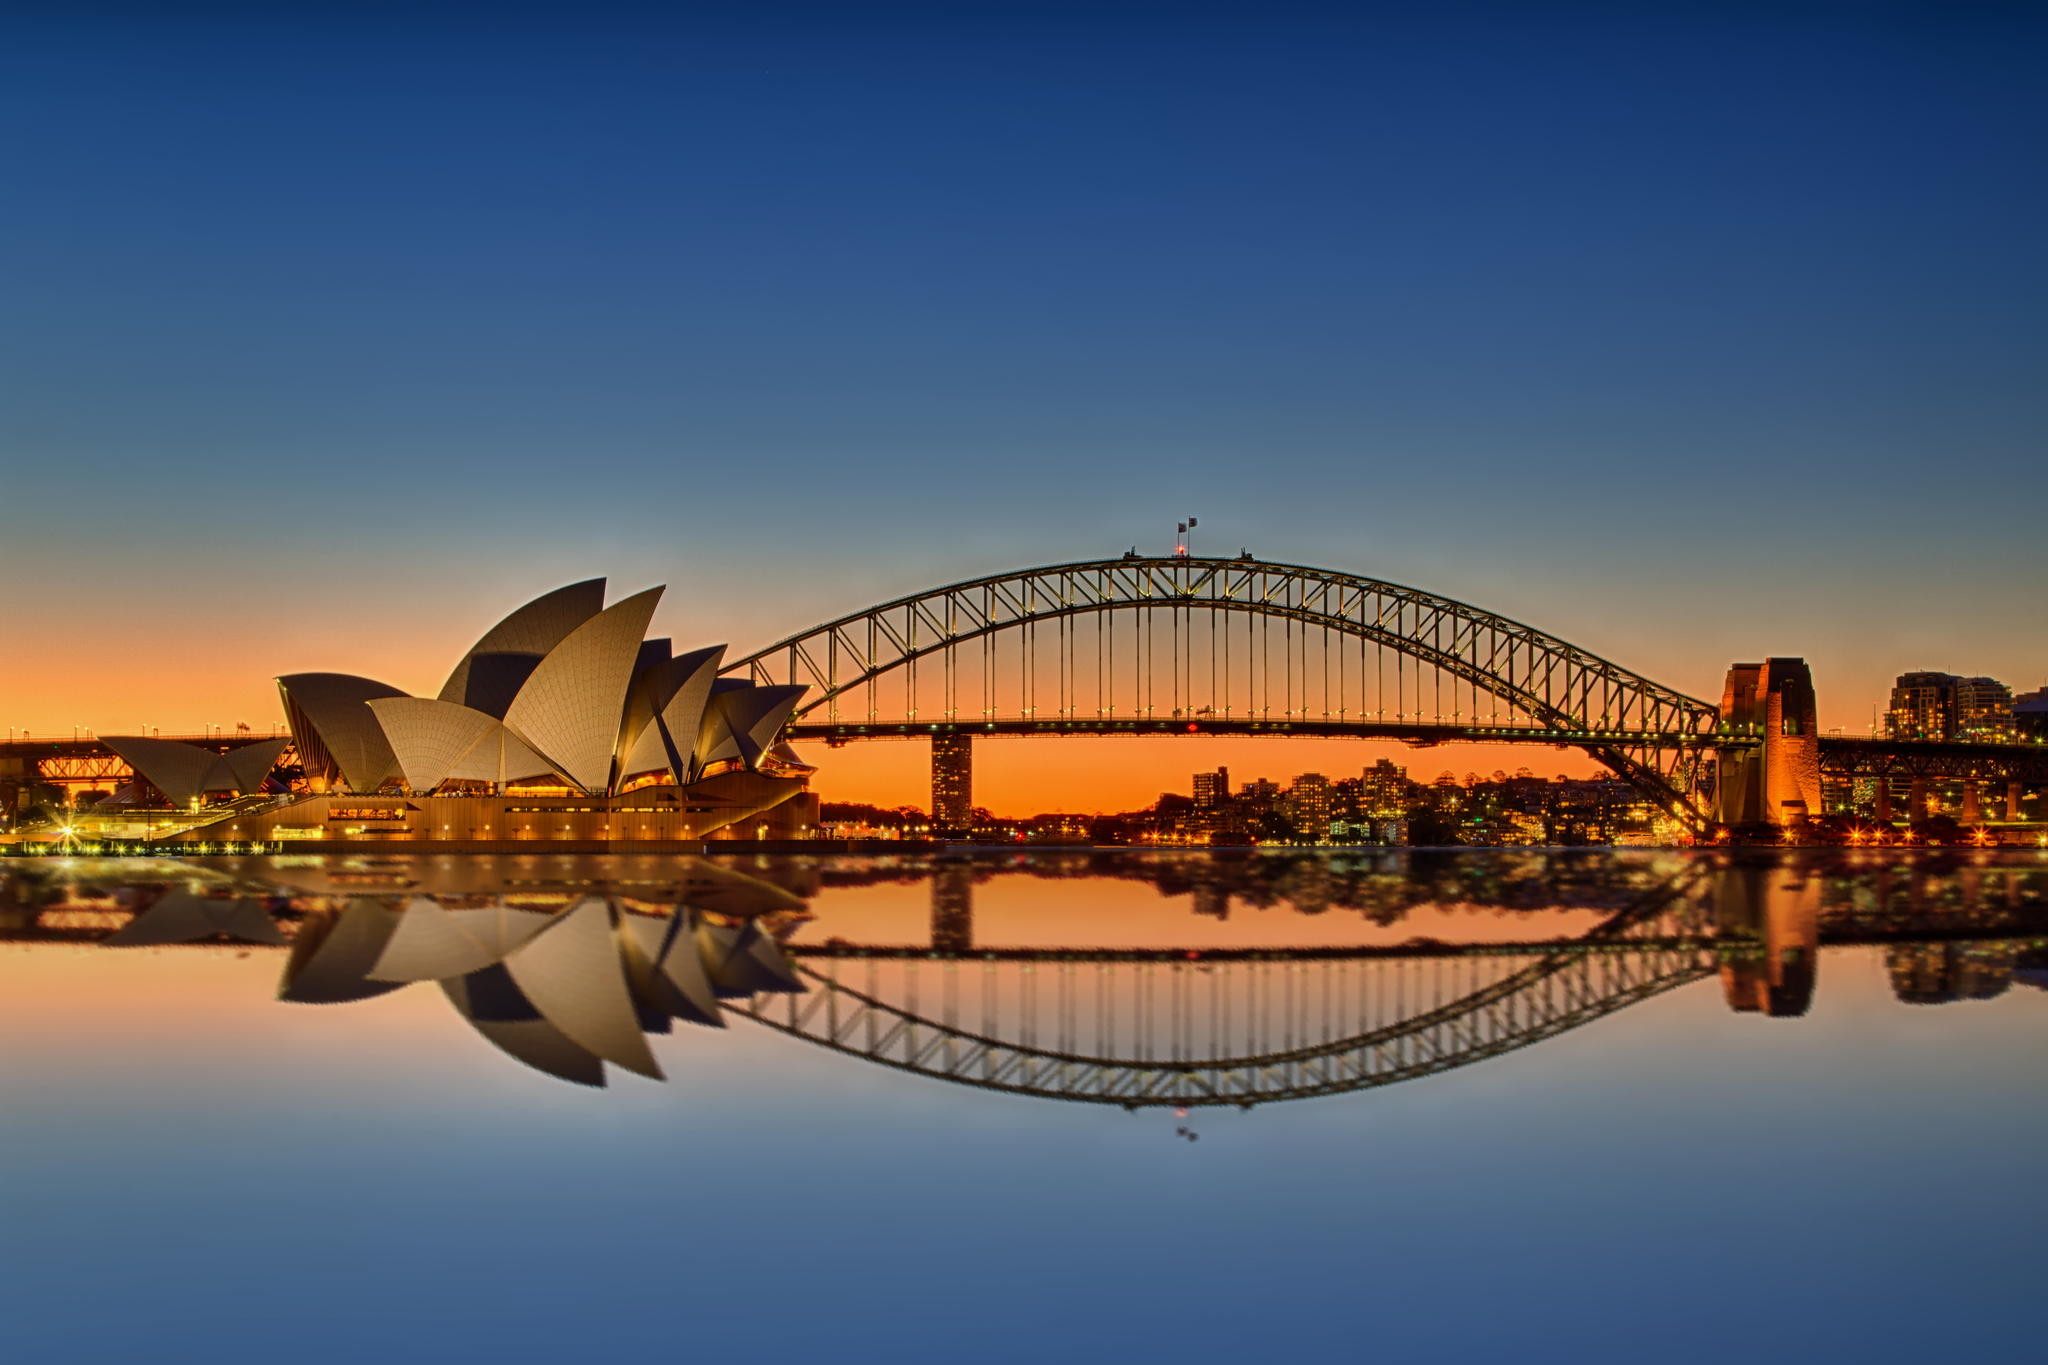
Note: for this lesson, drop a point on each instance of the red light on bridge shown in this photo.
(1193, 728)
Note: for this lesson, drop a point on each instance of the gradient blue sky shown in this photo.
(1690, 336)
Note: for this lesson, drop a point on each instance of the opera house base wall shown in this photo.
(735, 806)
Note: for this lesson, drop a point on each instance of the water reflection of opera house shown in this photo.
(1244, 981)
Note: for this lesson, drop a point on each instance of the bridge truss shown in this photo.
(1232, 645)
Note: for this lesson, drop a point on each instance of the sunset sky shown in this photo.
(1688, 337)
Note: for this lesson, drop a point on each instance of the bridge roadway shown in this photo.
(840, 731)
(92, 746)
(1849, 756)
(1841, 755)
(86, 758)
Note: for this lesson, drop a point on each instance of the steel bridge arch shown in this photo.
(1646, 732)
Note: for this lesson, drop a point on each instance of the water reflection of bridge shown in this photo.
(1213, 1028)
(1158, 1024)
(1244, 1026)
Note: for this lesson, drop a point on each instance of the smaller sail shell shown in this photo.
(532, 630)
(570, 709)
(438, 741)
(335, 730)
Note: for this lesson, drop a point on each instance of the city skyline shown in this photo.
(1021, 774)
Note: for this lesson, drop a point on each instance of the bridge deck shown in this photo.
(841, 731)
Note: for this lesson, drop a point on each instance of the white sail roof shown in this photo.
(436, 741)
(249, 764)
(533, 629)
(661, 730)
(331, 723)
(571, 707)
(741, 721)
(184, 772)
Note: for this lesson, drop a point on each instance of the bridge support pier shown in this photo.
(1781, 784)
(1973, 804)
(1916, 801)
(1884, 801)
(952, 786)
(2014, 792)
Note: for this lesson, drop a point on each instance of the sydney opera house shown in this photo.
(563, 724)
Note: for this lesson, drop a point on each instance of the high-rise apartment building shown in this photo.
(1944, 706)
(952, 784)
(1383, 789)
(1212, 789)
(1983, 709)
(1308, 806)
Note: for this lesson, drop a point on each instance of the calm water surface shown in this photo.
(1518, 1105)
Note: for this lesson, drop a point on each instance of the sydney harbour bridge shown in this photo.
(575, 970)
(1186, 646)
(1192, 646)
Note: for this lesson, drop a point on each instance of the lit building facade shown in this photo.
(952, 784)
(1308, 806)
(1945, 706)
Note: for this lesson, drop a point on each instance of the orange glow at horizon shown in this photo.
(1016, 776)
(223, 674)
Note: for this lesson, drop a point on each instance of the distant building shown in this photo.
(1983, 709)
(1383, 789)
(1259, 796)
(952, 784)
(1308, 806)
(2030, 714)
(1945, 706)
(1212, 789)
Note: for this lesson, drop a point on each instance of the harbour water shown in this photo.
(1514, 1104)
